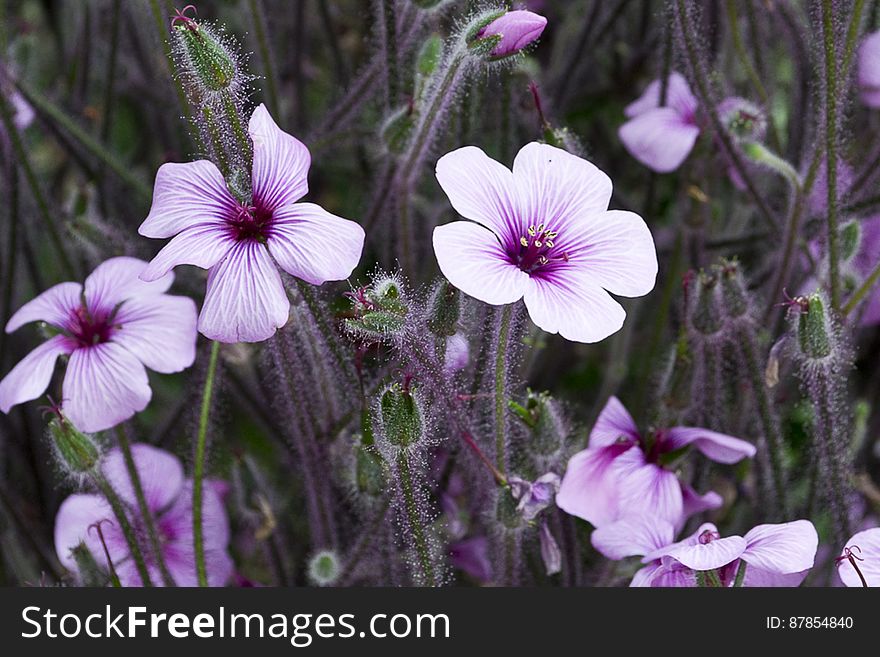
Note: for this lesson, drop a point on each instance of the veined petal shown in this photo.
(660, 139)
(644, 576)
(30, 378)
(866, 546)
(632, 536)
(708, 556)
(694, 503)
(160, 472)
(719, 447)
(54, 306)
(74, 524)
(757, 577)
(612, 249)
(310, 243)
(785, 548)
(678, 96)
(671, 574)
(574, 308)
(481, 189)
(281, 162)
(203, 246)
(613, 423)
(245, 300)
(104, 385)
(557, 187)
(186, 195)
(471, 257)
(869, 69)
(647, 488)
(118, 279)
(160, 331)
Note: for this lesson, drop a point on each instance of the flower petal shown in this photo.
(54, 306)
(649, 489)
(187, 195)
(660, 139)
(310, 243)
(785, 548)
(118, 279)
(866, 546)
(708, 556)
(281, 162)
(632, 536)
(557, 187)
(694, 503)
(719, 447)
(613, 249)
(245, 300)
(644, 576)
(160, 331)
(160, 472)
(73, 525)
(104, 385)
(613, 423)
(572, 307)
(869, 69)
(203, 246)
(31, 376)
(671, 574)
(756, 577)
(471, 257)
(481, 189)
(678, 96)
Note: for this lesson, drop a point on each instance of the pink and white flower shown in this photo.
(112, 329)
(543, 233)
(242, 244)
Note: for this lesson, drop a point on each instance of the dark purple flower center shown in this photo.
(708, 536)
(250, 222)
(91, 328)
(537, 249)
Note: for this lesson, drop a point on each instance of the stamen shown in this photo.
(97, 526)
(848, 555)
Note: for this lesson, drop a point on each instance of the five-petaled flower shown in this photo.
(111, 328)
(859, 561)
(169, 500)
(241, 242)
(773, 555)
(622, 471)
(543, 233)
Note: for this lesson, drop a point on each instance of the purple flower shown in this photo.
(458, 353)
(551, 555)
(543, 232)
(662, 137)
(111, 328)
(534, 496)
(471, 555)
(859, 562)
(621, 473)
(517, 30)
(774, 555)
(169, 498)
(869, 70)
(241, 242)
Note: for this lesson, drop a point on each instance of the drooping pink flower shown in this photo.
(859, 561)
(774, 555)
(869, 70)
(661, 138)
(532, 497)
(621, 473)
(243, 243)
(516, 29)
(543, 233)
(112, 328)
(169, 498)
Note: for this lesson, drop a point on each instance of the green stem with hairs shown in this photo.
(314, 306)
(740, 574)
(259, 20)
(415, 523)
(500, 392)
(830, 50)
(199, 470)
(127, 531)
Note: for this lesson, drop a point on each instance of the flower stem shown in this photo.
(740, 574)
(831, 150)
(500, 390)
(143, 507)
(415, 523)
(127, 531)
(199, 471)
(389, 46)
(314, 306)
(259, 19)
(862, 291)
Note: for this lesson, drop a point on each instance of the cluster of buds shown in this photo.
(379, 311)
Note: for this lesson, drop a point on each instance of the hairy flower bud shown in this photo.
(500, 35)
(379, 310)
(76, 451)
(814, 330)
(743, 120)
(211, 62)
(541, 417)
(324, 568)
(397, 129)
(733, 288)
(401, 416)
(706, 314)
(445, 308)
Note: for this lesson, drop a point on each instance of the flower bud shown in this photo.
(397, 130)
(706, 314)
(77, 451)
(379, 310)
(501, 35)
(429, 56)
(401, 416)
(89, 572)
(814, 330)
(743, 120)
(733, 288)
(324, 568)
(539, 414)
(445, 306)
(210, 62)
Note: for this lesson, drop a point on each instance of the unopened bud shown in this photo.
(538, 413)
(401, 416)
(498, 35)
(445, 308)
(379, 310)
(397, 129)
(77, 451)
(743, 120)
(210, 61)
(706, 315)
(814, 330)
(324, 568)
(733, 288)
(90, 573)
(429, 56)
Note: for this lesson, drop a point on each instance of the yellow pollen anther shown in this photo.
(538, 243)
(549, 243)
(523, 241)
(532, 231)
(552, 234)
(543, 260)
(540, 228)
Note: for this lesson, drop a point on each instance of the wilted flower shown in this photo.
(169, 499)
(240, 242)
(622, 471)
(534, 496)
(543, 232)
(111, 328)
(859, 562)
(515, 30)
(662, 137)
(869, 70)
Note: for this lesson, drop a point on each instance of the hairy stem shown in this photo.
(415, 524)
(199, 469)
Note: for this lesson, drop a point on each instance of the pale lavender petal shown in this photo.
(647, 488)
(866, 546)
(104, 385)
(160, 472)
(281, 162)
(693, 502)
(557, 188)
(118, 279)
(481, 189)
(678, 96)
(310, 243)
(73, 525)
(203, 246)
(55, 306)
(632, 536)
(457, 353)
(471, 258)
(31, 376)
(23, 112)
(869, 70)
(660, 139)
(756, 577)
(245, 300)
(160, 331)
(614, 250)
(671, 574)
(551, 555)
(719, 447)
(613, 423)
(786, 548)
(708, 556)
(644, 576)
(187, 195)
(590, 488)
(575, 308)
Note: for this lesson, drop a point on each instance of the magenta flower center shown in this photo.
(89, 329)
(708, 536)
(250, 222)
(537, 249)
